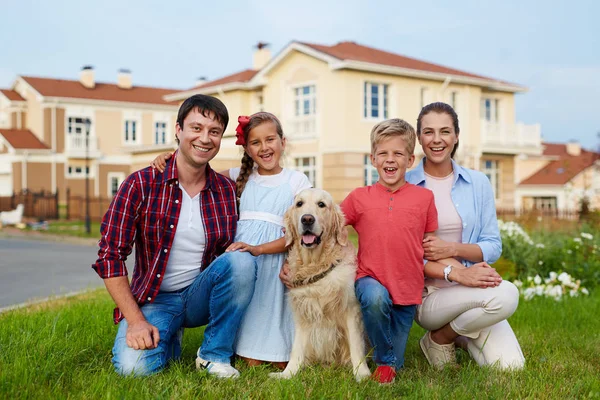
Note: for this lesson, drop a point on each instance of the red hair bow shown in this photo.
(239, 131)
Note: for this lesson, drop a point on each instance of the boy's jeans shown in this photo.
(217, 298)
(387, 324)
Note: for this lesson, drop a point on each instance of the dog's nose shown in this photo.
(307, 220)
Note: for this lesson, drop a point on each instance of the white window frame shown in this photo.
(300, 98)
(493, 174)
(383, 96)
(72, 173)
(309, 170)
(540, 203)
(131, 116)
(425, 96)
(119, 176)
(490, 109)
(370, 173)
(163, 132)
(300, 125)
(131, 131)
(453, 100)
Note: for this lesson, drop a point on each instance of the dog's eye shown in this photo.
(321, 204)
(299, 203)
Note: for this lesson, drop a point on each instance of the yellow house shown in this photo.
(329, 97)
(559, 178)
(44, 124)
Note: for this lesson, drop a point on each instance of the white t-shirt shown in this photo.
(188, 246)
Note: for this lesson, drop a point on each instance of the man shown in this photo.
(179, 220)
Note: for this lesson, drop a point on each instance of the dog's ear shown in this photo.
(289, 226)
(339, 226)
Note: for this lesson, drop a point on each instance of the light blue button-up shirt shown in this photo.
(473, 199)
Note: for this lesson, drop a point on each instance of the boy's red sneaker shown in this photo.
(384, 374)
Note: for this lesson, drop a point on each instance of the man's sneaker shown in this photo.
(438, 355)
(220, 370)
(384, 374)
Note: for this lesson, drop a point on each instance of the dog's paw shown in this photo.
(280, 375)
(362, 373)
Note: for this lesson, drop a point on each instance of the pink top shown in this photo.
(390, 227)
(450, 224)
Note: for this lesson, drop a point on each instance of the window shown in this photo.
(375, 100)
(114, 181)
(306, 165)
(371, 175)
(544, 203)
(305, 100)
(425, 98)
(454, 100)
(77, 171)
(4, 120)
(160, 132)
(130, 131)
(491, 169)
(489, 109)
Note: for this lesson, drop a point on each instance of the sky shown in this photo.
(551, 47)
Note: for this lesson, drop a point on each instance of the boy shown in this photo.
(391, 217)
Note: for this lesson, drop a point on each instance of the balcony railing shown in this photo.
(75, 146)
(519, 135)
(302, 126)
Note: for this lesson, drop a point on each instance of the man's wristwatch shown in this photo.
(447, 271)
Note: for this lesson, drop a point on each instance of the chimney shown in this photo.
(124, 79)
(262, 56)
(86, 77)
(201, 80)
(573, 148)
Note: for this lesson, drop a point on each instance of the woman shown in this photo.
(465, 301)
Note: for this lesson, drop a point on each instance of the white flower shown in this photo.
(517, 283)
(540, 246)
(539, 290)
(587, 236)
(569, 252)
(553, 275)
(585, 291)
(578, 240)
(564, 278)
(529, 293)
(573, 293)
(541, 262)
(537, 280)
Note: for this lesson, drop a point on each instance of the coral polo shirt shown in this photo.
(391, 226)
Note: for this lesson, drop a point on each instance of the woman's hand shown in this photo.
(160, 162)
(435, 249)
(478, 275)
(241, 246)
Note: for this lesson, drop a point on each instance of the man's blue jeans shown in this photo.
(387, 324)
(217, 298)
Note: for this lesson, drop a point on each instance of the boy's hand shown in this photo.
(160, 162)
(286, 275)
(435, 249)
(241, 246)
(478, 275)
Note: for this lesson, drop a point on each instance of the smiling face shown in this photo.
(265, 146)
(391, 158)
(437, 137)
(199, 138)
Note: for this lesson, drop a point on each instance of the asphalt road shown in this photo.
(32, 270)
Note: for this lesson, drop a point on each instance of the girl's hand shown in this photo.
(285, 275)
(480, 275)
(160, 162)
(241, 246)
(435, 249)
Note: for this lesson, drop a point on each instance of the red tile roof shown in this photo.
(561, 171)
(12, 95)
(22, 139)
(243, 76)
(102, 91)
(356, 52)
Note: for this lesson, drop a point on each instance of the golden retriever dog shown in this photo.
(327, 315)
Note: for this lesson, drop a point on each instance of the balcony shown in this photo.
(75, 146)
(511, 138)
(302, 127)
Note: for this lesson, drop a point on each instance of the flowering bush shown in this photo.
(542, 253)
(555, 286)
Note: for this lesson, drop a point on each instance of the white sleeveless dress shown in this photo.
(267, 328)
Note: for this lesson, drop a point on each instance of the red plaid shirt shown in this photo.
(145, 211)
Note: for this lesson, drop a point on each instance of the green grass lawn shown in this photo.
(62, 349)
(72, 228)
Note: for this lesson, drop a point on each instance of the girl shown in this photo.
(465, 300)
(265, 190)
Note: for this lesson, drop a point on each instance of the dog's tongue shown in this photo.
(308, 239)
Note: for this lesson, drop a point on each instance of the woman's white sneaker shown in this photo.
(220, 370)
